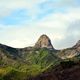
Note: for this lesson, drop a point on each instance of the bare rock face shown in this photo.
(70, 52)
(77, 46)
(44, 42)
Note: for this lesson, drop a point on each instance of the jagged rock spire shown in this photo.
(44, 42)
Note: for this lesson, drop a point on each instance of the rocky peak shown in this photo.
(44, 42)
(77, 44)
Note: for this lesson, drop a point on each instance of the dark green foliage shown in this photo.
(67, 64)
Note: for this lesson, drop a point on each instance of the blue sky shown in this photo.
(23, 21)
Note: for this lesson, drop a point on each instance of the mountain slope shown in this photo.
(64, 71)
(70, 52)
(35, 63)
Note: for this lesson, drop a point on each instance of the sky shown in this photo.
(22, 22)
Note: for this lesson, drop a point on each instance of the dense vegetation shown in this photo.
(35, 62)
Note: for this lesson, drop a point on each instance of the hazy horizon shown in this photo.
(22, 22)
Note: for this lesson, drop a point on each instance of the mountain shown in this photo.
(77, 46)
(70, 52)
(29, 61)
(41, 60)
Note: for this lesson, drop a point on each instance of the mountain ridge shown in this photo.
(43, 42)
(35, 60)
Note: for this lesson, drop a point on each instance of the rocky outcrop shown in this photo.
(70, 52)
(77, 46)
(44, 42)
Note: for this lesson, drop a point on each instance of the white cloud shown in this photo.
(54, 25)
(57, 19)
(7, 6)
(25, 36)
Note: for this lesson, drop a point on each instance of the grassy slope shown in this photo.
(36, 63)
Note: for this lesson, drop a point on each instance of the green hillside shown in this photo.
(35, 62)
